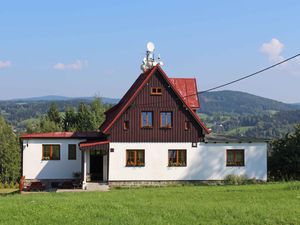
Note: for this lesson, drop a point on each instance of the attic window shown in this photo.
(126, 125)
(156, 91)
(187, 125)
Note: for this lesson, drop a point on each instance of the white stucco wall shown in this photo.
(36, 168)
(205, 162)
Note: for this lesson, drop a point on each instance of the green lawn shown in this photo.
(253, 204)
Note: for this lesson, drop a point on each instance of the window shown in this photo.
(51, 152)
(146, 120)
(187, 125)
(135, 157)
(126, 125)
(156, 91)
(177, 158)
(166, 119)
(72, 152)
(235, 157)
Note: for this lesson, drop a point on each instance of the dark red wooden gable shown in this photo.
(139, 98)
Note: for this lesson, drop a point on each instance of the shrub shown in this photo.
(1, 185)
(11, 184)
(232, 179)
(6, 185)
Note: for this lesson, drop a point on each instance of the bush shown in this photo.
(6, 185)
(232, 179)
(1, 185)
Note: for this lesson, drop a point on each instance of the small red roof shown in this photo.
(62, 135)
(187, 87)
(92, 143)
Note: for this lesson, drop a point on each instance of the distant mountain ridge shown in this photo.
(211, 102)
(61, 98)
(240, 102)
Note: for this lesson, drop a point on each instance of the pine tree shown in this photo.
(97, 110)
(9, 154)
(70, 120)
(84, 118)
(53, 114)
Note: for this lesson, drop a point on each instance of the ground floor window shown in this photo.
(72, 152)
(235, 157)
(135, 157)
(51, 152)
(177, 157)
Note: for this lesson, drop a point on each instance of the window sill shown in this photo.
(135, 166)
(235, 165)
(146, 128)
(176, 166)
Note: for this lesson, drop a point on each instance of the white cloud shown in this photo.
(77, 65)
(4, 64)
(273, 50)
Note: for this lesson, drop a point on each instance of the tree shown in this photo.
(284, 158)
(53, 114)
(97, 110)
(9, 154)
(70, 119)
(84, 118)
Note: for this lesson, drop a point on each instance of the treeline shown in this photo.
(263, 125)
(86, 117)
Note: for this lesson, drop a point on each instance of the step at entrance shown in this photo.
(95, 186)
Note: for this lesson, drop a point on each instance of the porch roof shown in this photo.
(94, 145)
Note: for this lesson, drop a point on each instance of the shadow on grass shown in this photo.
(5, 192)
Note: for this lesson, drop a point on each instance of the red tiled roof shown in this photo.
(187, 88)
(113, 115)
(92, 143)
(62, 135)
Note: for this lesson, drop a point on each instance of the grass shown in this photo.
(253, 204)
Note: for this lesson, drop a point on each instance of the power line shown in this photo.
(234, 81)
(247, 76)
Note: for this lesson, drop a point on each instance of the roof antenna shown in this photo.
(149, 61)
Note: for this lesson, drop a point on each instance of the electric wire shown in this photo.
(234, 81)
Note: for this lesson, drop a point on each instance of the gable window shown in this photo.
(51, 152)
(156, 91)
(146, 119)
(166, 119)
(72, 152)
(126, 125)
(135, 157)
(177, 157)
(187, 125)
(235, 157)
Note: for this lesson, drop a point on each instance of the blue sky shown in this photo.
(86, 48)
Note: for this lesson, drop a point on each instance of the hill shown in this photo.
(240, 103)
(225, 112)
(55, 98)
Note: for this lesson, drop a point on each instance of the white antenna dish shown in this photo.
(150, 47)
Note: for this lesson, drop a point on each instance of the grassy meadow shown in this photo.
(249, 204)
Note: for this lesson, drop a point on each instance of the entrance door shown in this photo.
(96, 165)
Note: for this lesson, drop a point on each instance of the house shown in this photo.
(153, 135)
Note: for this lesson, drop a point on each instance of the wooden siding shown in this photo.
(144, 101)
